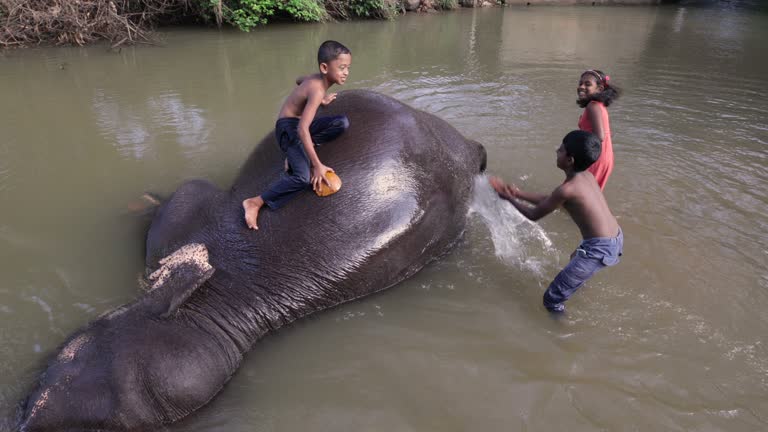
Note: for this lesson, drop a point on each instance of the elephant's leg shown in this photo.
(177, 220)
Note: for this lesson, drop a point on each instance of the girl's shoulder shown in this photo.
(596, 106)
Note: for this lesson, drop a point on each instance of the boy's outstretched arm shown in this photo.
(531, 197)
(509, 191)
(545, 204)
(543, 208)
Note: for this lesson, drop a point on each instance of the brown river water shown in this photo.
(671, 339)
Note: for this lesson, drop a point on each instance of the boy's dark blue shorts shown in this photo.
(591, 256)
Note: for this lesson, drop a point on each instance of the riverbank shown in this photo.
(585, 2)
(64, 22)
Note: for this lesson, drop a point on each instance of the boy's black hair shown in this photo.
(329, 50)
(584, 147)
(609, 94)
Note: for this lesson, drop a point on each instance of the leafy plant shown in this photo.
(304, 10)
(247, 14)
(386, 9)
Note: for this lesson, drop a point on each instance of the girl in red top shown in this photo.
(595, 93)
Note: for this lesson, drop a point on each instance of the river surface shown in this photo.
(671, 339)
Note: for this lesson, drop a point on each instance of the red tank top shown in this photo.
(603, 166)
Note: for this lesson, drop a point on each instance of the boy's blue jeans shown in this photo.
(591, 256)
(297, 178)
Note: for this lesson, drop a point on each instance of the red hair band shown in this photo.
(597, 75)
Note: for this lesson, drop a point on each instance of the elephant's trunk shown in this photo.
(483, 158)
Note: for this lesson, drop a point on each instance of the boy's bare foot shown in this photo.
(252, 207)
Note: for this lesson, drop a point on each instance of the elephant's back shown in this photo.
(407, 178)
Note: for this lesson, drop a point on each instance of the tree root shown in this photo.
(78, 22)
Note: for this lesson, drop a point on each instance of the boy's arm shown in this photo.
(546, 206)
(314, 99)
(531, 197)
(596, 117)
(328, 99)
(510, 191)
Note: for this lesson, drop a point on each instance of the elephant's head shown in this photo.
(90, 382)
(483, 155)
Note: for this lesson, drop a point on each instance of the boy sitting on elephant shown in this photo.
(297, 131)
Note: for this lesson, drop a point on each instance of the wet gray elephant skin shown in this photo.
(214, 287)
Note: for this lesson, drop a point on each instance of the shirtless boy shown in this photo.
(298, 132)
(582, 198)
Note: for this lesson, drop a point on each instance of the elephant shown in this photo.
(215, 287)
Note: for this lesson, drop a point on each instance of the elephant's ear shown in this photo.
(179, 275)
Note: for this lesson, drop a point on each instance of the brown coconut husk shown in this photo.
(333, 185)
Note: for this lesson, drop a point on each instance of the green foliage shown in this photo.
(247, 14)
(305, 10)
(386, 9)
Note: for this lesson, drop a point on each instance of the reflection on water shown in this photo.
(129, 134)
(5, 172)
(129, 129)
(670, 339)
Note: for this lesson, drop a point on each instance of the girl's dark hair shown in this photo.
(609, 94)
(329, 50)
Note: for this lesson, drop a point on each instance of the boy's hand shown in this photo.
(328, 99)
(318, 176)
(496, 183)
(504, 190)
(511, 190)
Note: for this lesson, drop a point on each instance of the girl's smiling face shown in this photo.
(588, 87)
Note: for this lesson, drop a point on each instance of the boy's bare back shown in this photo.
(585, 203)
(311, 85)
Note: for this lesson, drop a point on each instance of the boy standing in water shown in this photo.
(297, 131)
(582, 198)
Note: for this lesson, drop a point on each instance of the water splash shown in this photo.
(516, 240)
